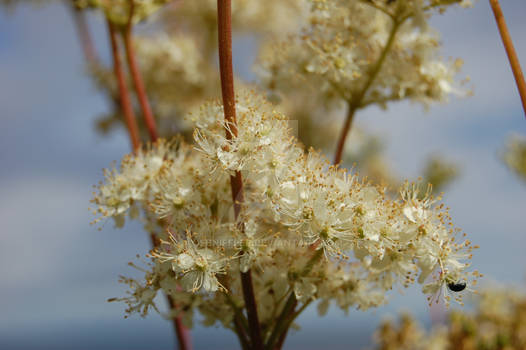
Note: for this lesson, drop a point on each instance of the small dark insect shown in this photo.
(456, 286)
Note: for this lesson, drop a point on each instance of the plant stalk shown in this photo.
(510, 51)
(149, 120)
(79, 17)
(290, 320)
(224, 20)
(277, 337)
(343, 136)
(288, 314)
(125, 101)
(240, 322)
(181, 331)
(356, 100)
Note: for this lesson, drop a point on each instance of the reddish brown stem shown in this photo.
(241, 334)
(282, 339)
(251, 306)
(225, 65)
(137, 78)
(343, 135)
(79, 17)
(224, 17)
(181, 331)
(510, 51)
(240, 323)
(126, 105)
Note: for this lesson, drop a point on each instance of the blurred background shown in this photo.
(57, 271)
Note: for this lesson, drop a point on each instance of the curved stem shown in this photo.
(137, 78)
(377, 7)
(281, 322)
(241, 334)
(510, 51)
(126, 105)
(240, 322)
(224, 20)
(344, 132)
(291, 319)
(356, 101)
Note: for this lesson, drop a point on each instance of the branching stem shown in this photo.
(240, 322)
(287, 314)
(181, 331)
(356, 100)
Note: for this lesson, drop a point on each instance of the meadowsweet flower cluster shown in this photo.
(307, 227)
(409, 334)
(177, 74)
(363, 52)
(178, 65)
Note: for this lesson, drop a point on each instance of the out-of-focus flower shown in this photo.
(514, 155)
(496, 322)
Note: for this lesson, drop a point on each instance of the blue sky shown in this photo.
(57, 271)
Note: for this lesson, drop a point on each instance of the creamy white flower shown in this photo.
(305, 227)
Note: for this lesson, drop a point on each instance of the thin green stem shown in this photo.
(281, 322)
(379, 8)
(239, 318)
(290, 321)
(301, 309)
(241, 334)
(378, 64)
(239, 321)
(356, 100)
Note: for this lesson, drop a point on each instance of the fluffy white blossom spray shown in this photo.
(253, 228)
